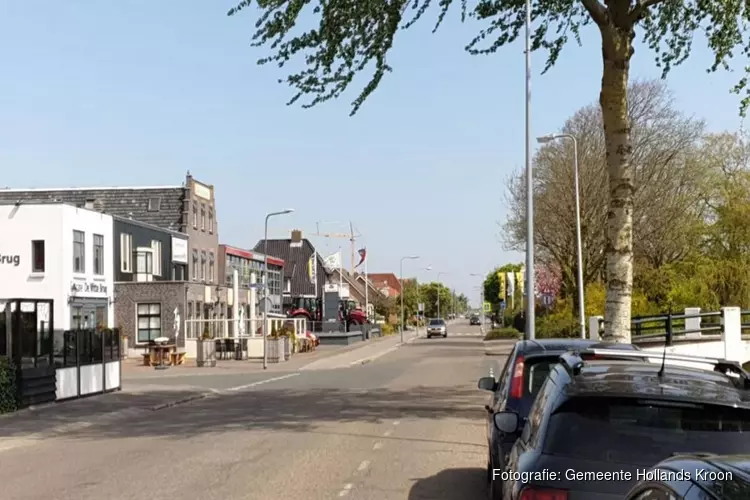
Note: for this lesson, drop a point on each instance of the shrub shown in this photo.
(557, 325)
(8, 393)
(386, 329)
(502, 333)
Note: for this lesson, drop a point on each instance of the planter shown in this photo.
(287, 348)
(206, 354)
(275, 350)
(124, 347)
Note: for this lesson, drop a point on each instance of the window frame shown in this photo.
(126, 253)
(79, 247)
(35, 257)
(149, 314)
(98, 247)
(156, 264)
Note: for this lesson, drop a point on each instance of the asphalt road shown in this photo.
(407, 425)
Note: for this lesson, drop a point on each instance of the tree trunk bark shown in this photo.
(617, 51)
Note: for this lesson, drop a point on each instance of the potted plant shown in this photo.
(206, 355)
(275, 346)
(289, 339)
(123, 342)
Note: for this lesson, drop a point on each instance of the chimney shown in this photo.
(296, 236)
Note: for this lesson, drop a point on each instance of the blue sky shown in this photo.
(137, 92)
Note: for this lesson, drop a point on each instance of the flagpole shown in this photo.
(367, 286)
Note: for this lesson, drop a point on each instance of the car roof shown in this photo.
(560, 346)
(635, 378)
(736, 465)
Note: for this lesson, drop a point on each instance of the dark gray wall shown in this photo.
(142, 237)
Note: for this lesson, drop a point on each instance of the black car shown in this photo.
(474, 320)
(696, 477)
(596, 424)
(519, 381)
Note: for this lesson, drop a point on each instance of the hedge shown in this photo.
(503, 333)
(8, 394)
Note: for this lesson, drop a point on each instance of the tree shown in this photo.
(428, 294)
(667, 183)
(353, 35)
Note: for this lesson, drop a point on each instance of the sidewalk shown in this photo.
(365, 354)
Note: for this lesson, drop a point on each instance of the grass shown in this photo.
(502, 333)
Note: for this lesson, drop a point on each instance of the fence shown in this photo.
(249, 329)
(87, 361)
(719, 333)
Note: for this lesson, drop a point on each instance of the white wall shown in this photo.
(53, 223)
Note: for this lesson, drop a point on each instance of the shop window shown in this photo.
(126, 252)
(156, 247)
(149, 322)
(101, 317)
(37, 256)
(99, 255)
(79, 252)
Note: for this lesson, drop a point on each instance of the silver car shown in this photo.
(437, 328)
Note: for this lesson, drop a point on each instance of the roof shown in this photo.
(296, 258)
(640, 379)
(127, 202)
(134, 222)
(559, 346)
(239, 252)
(736, 465)
(389, 279)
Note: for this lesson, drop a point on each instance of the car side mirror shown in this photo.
(506, 421)
(487, 384)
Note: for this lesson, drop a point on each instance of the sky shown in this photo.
(137, 92)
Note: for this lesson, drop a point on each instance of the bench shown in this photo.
(177, 358)
(149, 359)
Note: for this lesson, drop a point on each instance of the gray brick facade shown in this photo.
(168, 294)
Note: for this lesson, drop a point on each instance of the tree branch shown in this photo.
(597, 11)
(640, 9)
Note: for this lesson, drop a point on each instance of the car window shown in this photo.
(437, 322)
(644, 432)
(536, 371)
(539, 410)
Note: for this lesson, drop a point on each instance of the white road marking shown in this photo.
(377, 446)
(365, 464)
(388, 433)
(373, 357)
(260, 382)
(347, 488)
(396, 422)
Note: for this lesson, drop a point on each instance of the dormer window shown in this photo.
(154, 204)
(89, 203)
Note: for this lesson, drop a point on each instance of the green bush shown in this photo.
(386, 329)
(557, 325)
(8, 394)
(502, 333)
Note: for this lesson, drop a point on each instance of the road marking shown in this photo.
(377, 446)
(388, 432)
(369, 359)
(396, 422)
(260, 382)
(347, 488)
(365, 464)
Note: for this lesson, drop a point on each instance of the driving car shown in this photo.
(699, 476)
(596, 423)
(437, 328)
(474, 320)
(518, 383)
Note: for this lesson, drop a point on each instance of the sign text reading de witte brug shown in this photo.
(10, 260)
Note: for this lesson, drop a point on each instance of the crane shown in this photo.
(352, 236)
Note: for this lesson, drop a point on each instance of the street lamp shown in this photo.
(579, 246)
(428, 268)
(530, 293)
(401, 270)
(439, 288)
(264, 280)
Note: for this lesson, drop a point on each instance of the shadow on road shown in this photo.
(291, 410)
(451, 484)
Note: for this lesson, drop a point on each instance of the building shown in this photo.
(150, 272)
(388, 284)
(304, 273)
(249, 267)
(60, 252)
(189, 209)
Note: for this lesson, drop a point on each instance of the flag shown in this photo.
(523, 279)
(519, 282)
(312, 268)
(333, 261)
(362, 256)
(501, 281)
(511, 284)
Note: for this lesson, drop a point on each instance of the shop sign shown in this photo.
(179, 250)
(11, 260)
(77, 287)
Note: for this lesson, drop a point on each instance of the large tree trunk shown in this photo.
(617, 51)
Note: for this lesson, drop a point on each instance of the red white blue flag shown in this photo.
(362, 256)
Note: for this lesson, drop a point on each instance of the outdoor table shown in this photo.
(160, 350)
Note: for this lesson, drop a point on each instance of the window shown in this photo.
(203, 266)
(154, 204)
(37, 256)
(149, 322)
(195, 214)
(203, 217)
(99, 255)
(211, 221)
(535, 373)
(156, 247)
(101, 317)
(79, 252)
(195, 267)
(211, 267)
(144, 264)
(126, 252)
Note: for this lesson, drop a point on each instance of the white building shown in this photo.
(59, 252)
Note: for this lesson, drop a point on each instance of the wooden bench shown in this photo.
(177, 358)
(148, 359)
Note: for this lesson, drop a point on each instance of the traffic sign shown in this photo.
(503, 305)
(487, 307)
(420, 306)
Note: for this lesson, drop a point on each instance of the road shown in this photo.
(407, 425)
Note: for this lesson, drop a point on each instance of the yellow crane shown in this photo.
(352, 236)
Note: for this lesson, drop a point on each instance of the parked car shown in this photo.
(437, 328)
(474, 320)
(518, 383)
(696, 477)
(596, 423)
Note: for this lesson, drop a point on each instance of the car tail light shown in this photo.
(531, 493)
(516, 384)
